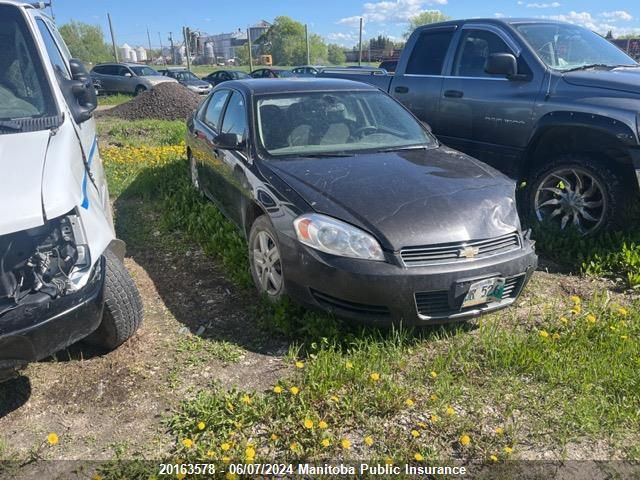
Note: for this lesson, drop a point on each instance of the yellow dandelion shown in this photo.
(421, 424)
(211, 453)
(230, 476)
(388, 461)
(623, 337)
(299, 364)
(187, 443)
(294, 390)
(544, 334)
(591, 318)
(499, 430)
(246, 399)
(434, 374)
(226, 459)
(333, 398)
(493, 458)
(348, 365)
(368, 441)
(450, 411)
(202, 425)
(225, 446)
(97, 476)
(181, 476)
(575, 299)
(408, 402)
(322, 425)
(274, 437)
(564, 320)
(465, 440)
(576, 310)
(308, 423)
(415, 433)
(250, 453)
(375, 376)
(325, 442)
(556, 336)
(52, 439)
(277, 389)
(623, 311)
(435, 418)
(293, 446)
(433, 397)
(418, 457)
(508, 450)
(345, 443)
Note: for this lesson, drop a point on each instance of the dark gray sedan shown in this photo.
(350, 205)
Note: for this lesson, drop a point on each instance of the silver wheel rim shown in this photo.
(571, 197)
(194, 173)
(266, 263)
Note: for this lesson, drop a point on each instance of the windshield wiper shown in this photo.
(326, 155)
(402, 149)
(10, 125)
(595, 65)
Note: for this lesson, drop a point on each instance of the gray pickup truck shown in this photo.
(547, 102)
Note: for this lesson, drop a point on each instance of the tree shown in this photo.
(285, 39)
(424, 18)
(86, 42)
(380, 43)
(335, 54)
(609, 35)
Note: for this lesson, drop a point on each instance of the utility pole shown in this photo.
(173, 50)
(185, 35)
(149, 40)
(53, 17)
(306, 36)
(250, 50)
(360, 45)
(164, 61)
(113, 39)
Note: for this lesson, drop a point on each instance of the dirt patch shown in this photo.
(166, 101)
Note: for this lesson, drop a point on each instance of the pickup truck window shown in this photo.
(55, 56)
(429, 52)
(473, 51)
(563, 47)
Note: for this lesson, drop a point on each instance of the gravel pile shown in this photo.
(166, 101)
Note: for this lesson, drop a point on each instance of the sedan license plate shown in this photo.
(484, 291)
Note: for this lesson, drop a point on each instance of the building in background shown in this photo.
(132, 55)
(221, 48)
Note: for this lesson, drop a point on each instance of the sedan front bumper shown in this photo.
(34, 330)
(382, 292)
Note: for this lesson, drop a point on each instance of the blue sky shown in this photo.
(336, 20)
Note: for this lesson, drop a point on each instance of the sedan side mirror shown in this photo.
(501, 64)
(79, 91)
(228, 141)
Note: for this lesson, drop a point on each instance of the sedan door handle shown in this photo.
(453, 94)
(401, 90)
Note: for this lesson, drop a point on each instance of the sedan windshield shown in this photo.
(185, 76)
(144, 71)
(24, 91)
(336, 123)
(566, 47)
(239, 75)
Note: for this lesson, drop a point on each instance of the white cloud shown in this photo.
(617, 15)
(343, 39)
(499, 15)
(587, 20)
(390, 11)
(542, 5)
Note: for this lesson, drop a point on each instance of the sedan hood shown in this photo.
(22, 157)
(623, 79)
(409, 198)
(156, 79)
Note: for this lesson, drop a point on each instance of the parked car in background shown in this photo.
(307, 70)
(62, 276)
(351, 206)
(547, 102)
(220, 76)
(188, 79)
(389, 65)
(271, 73)
(128, 78)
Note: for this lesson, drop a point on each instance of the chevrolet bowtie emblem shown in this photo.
(468, 252)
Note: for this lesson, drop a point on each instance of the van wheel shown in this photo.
(122, 306)
(265, 259)
(139, 90)
(576, 191)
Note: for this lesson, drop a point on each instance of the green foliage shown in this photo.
(113, 100)
(286, 38)
(86, 42)
(141, 132)
(425, 18)
(335, 54)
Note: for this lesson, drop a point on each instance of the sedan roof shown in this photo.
(260, 86)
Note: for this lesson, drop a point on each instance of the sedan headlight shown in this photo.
(333, 236)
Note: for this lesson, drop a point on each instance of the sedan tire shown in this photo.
(265, 259)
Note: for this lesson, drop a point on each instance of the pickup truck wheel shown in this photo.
(265, 259)
(122, 306)
(139, 89)
(576, 191)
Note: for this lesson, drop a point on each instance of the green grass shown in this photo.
(115, 99)
(536, 380)
(113, 131)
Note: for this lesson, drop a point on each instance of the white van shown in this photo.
(62, 278)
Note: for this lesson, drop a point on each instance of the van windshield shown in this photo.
(24, 90)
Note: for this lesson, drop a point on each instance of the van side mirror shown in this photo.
(79, 92)
(501, 64)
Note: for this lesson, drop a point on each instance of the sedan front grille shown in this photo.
(436, 304)
(459, 251)
(334, 303)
